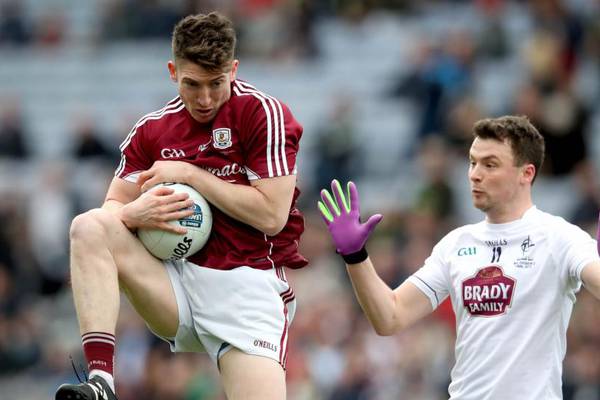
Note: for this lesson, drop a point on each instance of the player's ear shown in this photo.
(529, 172)
(172, 70)
(234, 67)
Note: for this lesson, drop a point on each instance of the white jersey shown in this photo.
(512, 288)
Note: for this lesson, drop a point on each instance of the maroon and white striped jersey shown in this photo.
(253, 136)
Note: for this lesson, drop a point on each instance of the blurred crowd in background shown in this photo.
(387, 92)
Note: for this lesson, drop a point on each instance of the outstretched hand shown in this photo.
(342, 217)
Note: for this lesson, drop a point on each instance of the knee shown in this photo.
(90, 225)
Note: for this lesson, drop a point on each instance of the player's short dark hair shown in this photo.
(205, 39)
(526, 142)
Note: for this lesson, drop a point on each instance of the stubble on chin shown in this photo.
(481, 205)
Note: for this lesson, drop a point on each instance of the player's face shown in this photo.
(497, 184)
(202, 92)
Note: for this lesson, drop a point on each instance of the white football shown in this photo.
(172, 246)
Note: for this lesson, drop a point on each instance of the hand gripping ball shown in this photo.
(173, 246)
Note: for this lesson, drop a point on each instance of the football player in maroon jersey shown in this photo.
(237, 146)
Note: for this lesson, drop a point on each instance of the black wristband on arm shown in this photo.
(355, 258)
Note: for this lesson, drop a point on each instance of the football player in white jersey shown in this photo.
(512, 278)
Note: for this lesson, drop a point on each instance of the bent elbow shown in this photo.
(384, 331)
(273, 225)
(387, 328)
(272, 230)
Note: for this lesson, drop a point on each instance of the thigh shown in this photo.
(250, 310)
(251, 377)
(142, 277)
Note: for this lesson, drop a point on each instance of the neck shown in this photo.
(507, 213)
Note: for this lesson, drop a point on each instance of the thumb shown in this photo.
(143, 177)
(373, 221)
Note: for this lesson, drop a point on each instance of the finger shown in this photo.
(143, 177)
(325, 213)
(148, 184)
(373, 221)
(162, 191)
(329, 202)
(165, 226)
(338, 192)
(185, 204)
(179, 214)
(353, 196)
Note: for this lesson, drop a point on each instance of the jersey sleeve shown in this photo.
(271, 139)
(134, 158)
(432, 278)
(574, 249)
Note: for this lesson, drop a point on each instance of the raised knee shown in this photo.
(90, 224)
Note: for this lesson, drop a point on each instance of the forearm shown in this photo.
(243, 203)
(375, 297)
(388, 310)
(116, 207)
(113, 206)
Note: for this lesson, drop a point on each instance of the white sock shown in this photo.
(104, 375)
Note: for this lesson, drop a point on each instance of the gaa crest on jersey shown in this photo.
(488, 293)
(525, 261)
(222, 138)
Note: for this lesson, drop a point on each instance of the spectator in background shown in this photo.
(582, 363)
(50, 30)
(336, 148)
(88, 142)
(139, 19)
(492, 41)
(48, 226)
(585, 210)
(552, 17)
(303, 36)
(12, 131)
(436, 196)
(561, 119)
(461, 117)
(15, 29)
(20, 345)
(592, 42)
(439, 76)
(8, 213)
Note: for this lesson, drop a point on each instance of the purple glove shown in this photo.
(342, 218)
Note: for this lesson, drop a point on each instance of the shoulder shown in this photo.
(547, 220)
(249, 99)
(455, 237)
(556, 228)
(172, 110)
(459, 233)
(154, 122)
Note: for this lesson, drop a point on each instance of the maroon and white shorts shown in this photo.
(246, 308)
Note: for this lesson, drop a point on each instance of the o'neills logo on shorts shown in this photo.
(488, 293)
(265, 345)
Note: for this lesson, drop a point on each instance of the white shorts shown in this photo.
(245, 308)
